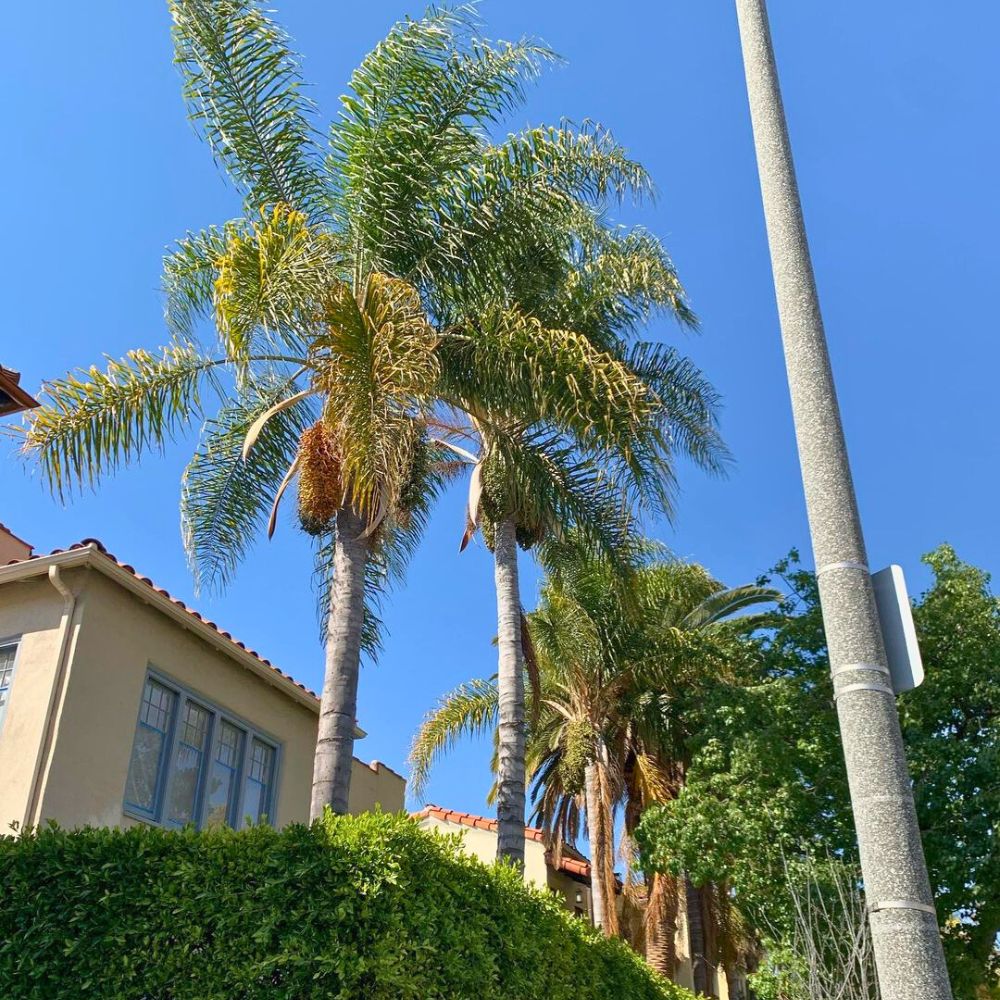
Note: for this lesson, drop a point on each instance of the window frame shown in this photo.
(164, 779)
(17, 641)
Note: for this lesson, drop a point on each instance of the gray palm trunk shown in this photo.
(338, 707)
(696, 937)
(595, 829)
(510, 687)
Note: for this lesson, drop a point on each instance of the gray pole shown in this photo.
(908, 951)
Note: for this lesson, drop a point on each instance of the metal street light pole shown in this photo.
(908, 951)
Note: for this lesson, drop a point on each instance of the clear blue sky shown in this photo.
(894, 113)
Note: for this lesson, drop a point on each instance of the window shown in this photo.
(8, 653)
(193, 763)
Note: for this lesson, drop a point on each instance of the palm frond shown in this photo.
(242, 86)
(417, 112)
(377, 364)
(271, 280)
(688, 404)
(725, 603)
(92, 423)
(189, 273)
(469, 710)
(224, 498)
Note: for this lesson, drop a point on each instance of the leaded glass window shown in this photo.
(193, 763)
(145, 771)
(7, 654)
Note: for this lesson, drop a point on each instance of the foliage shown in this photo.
(767, 779)
(388, 913)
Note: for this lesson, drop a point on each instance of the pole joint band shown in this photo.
(901, 904)
(847, 564)
(877, 668)
(863, 686)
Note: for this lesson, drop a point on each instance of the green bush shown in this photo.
(355, 907)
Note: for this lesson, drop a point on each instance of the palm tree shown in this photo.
(615, 664)
(604, 431)
(328, 361)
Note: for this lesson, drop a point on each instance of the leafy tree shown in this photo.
(767, 781)
(326, 297)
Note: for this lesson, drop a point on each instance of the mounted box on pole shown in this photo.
(899, 634)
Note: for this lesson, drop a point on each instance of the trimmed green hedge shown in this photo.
(365, 908)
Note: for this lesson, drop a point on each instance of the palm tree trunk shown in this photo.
(592, 792)
(339, 704)
(696, 938)
(661, 925)
(510, 686)
(601, 834)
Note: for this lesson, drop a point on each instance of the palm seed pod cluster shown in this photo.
(577, 753)
(321, 487)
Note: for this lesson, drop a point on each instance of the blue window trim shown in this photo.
(217, 713)
(16, 642)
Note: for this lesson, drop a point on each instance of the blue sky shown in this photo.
(894, 125)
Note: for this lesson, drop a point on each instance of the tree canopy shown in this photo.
(766, 783)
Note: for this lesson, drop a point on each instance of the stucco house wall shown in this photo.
(479, 839)
(66, 741)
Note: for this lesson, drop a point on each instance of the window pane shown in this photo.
(185, 776)
(147, 751)
(257, 799)
(222, 783)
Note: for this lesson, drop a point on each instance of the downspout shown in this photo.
(32, 813)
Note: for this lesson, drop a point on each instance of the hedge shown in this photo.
(354, 907)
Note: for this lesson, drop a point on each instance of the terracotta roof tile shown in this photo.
(572, 861)
(98, 546)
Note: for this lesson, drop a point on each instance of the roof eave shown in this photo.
(90, 555)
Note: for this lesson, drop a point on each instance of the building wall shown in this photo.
(31, 612)
(118, 638)
(482, 843)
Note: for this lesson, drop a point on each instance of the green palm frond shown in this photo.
(726, 603)
(242, 86)
(580, 162)
(92, 423)
(189, 273)
(688, 403)
(554, 485)
(417, 112)
(377, 365)
(272, 278)
(469, 710)
(513, 364)
(225, 499)
(617, 280)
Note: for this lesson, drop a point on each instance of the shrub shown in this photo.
(353, 907)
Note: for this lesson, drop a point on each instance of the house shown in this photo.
(568, 876)
(13, 399)
(121, 705)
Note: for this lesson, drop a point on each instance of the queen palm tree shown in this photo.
(584, 286)
(329, 361)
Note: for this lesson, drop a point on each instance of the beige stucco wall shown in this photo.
(31, 612)
(483, 844)
(118, 638)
